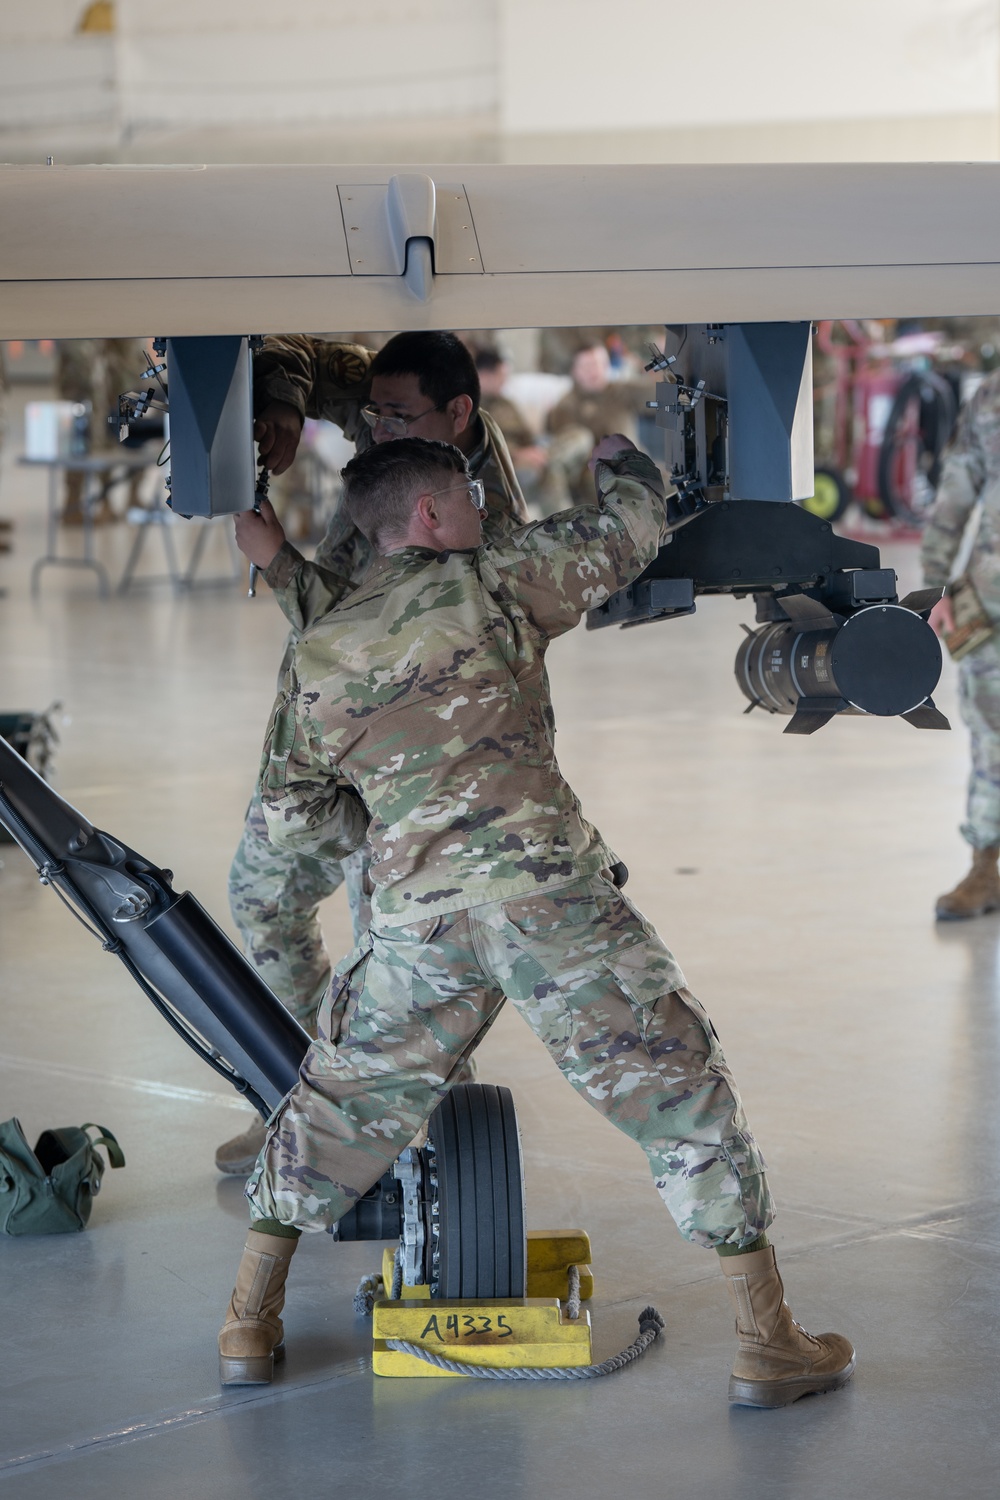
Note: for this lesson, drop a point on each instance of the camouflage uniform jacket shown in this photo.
(970, 476)
(328, 380)
(425, 691)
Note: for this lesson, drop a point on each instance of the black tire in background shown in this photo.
(921, 417)
(831, 495)
(481, 1244)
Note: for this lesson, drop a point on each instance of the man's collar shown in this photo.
(476, 456)
(421, 554)
(404, 555)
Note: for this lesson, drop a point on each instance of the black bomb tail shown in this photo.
(812, 664)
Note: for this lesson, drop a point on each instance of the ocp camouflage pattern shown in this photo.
(331, 381)
(979, 701)
(274, 898)
(970, 476)
(596, 984)
(425, 691)
(274, 893)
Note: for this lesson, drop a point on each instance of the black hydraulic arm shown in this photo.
(198, 980)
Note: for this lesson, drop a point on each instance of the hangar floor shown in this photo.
(795, 880)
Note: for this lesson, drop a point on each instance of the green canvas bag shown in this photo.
(51, 1190)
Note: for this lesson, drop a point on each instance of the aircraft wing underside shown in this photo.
(187, 250)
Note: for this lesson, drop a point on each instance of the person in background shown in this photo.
(528, 454)
(596, 406)
(970, 477)
(95, 372)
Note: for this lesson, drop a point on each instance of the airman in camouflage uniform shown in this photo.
(595, 406)
(275, 893)
(422, 702)
(970, 477)
(95, 372)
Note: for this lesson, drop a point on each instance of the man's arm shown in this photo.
(309, 807)
(297, 376)
(305, 591)
(316, 376)
(562, 567)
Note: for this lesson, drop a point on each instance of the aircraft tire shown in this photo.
(481, 1247)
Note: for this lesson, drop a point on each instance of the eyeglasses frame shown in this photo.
(469, 485)
(398, 426)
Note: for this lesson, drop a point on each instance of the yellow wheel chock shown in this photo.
(503, 1333)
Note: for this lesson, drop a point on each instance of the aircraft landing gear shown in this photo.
(457, 1202)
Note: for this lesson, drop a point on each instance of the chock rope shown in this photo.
(370, 1288)
(650, 1327)
(573, 1295)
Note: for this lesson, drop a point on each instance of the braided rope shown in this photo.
(573, 1294)
(370, 1289)
(650, 1327)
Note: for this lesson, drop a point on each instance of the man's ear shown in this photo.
(459, 409)
(426, 512)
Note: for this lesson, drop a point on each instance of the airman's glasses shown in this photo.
(474, 488)
(398, 426)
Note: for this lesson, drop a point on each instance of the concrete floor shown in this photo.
(795, 880)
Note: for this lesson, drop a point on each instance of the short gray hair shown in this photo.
(382, 484)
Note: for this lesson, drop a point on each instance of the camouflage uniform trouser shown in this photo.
(274, 896)
(593, 980)
(979, 688)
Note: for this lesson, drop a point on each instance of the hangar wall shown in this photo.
(181, 65)
(850, 79)
(515, 80)
(184, 62)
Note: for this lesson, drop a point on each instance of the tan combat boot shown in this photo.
(978, 893)
(777, 1361)
(252, 1337)
(236, 1157)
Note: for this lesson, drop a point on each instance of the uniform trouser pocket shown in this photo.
(397, 1023)
(346, 984)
